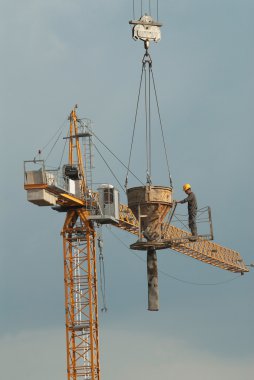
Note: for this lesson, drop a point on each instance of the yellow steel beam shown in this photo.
(35, 186)
(72, 199)
(202, 250)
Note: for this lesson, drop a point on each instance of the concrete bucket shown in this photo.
(150, 204)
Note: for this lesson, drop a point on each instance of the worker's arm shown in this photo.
(183, 201)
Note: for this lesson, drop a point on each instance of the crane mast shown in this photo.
(81, 299)
(80, 278)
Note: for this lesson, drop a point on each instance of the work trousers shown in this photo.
(192, 223)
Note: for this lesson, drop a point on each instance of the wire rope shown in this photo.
(147, 61)
(162, 132)
(172, 276)
(46, 145)
(149, 121)
(102, 271)
(134, 126)
(61, 159)
(113, 154)
(53, 146)
(148, 174)
(111, 171)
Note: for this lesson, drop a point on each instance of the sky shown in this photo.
(55, 54)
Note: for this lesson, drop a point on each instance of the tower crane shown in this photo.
(148, 216)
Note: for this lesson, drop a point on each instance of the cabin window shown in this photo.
(108, 196)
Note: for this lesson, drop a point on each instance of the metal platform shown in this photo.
(203, 250)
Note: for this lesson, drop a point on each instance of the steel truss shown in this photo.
(81, 299)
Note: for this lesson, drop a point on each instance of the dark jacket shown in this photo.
(192, 203)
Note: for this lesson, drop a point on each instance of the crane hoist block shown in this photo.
(146, 29)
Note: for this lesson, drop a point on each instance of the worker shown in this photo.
(192, 208)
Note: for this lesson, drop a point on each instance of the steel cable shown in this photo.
(53, 146)
(102, 273)
(61, 159)
(162, 132)
(149, 122)
(45, 146)
(111, 171)
(148, 174)
(134, 127)
(113, 154)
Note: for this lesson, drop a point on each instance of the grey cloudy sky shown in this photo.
(58, 53)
